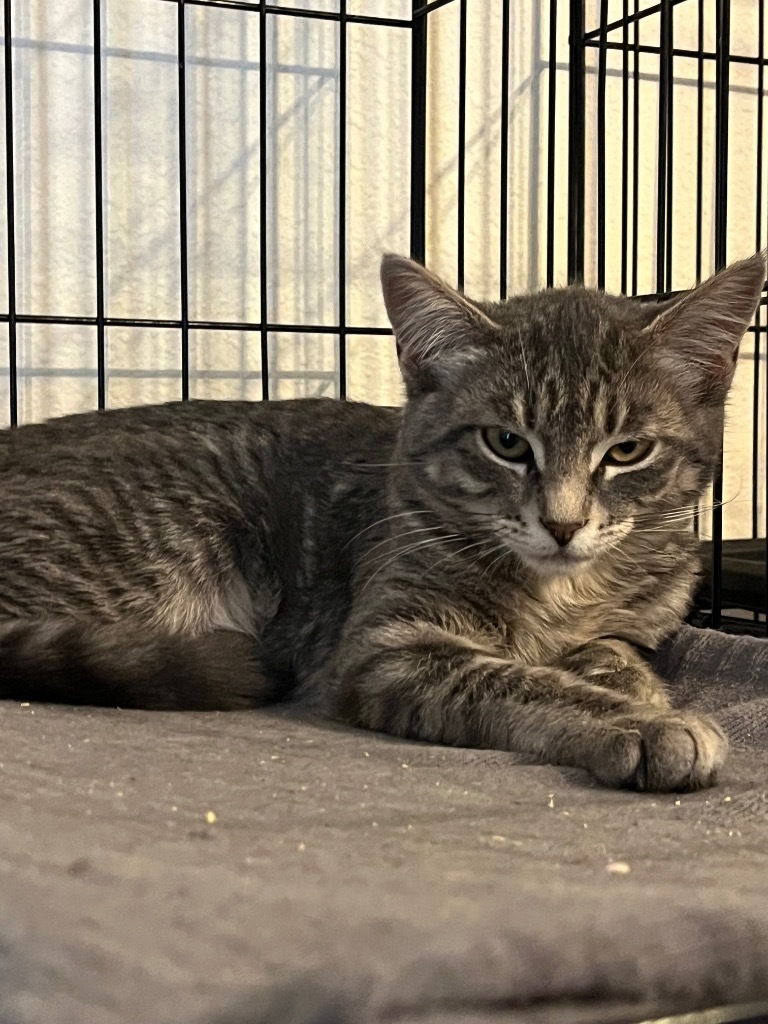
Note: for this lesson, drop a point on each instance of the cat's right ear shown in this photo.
(436, 328)
(696, 336)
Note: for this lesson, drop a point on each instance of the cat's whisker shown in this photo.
(456, 554)
(669, 522)
(682, 510)
(382, 556)
(685, 511)
(380, 465)
(505, 550)
(398, 536)
(658, 529)
(658, 556)
(387, 519)
(525, 362)
(665, 524)
(407, 551)
(661, 516)
(722, 504)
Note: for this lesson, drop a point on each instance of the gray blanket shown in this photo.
(266, 867)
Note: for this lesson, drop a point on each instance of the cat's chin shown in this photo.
(559, 564)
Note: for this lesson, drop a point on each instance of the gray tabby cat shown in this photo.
(480, 568)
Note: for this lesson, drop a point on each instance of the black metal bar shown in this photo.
(759, 241)
(52, 372)
(194, 325)
(504, 146)
(699, 140)
(418, 135)
(80, 373)
(601, 75)
(576, 142)
(624, 148)
(722, 84)
(342, 199)
(635, 146)
(462, 154)
(723, 13)
(424, 9)
(245, 326)
(670, 74)
(551, 142)
(665, 295)
(99, 187)
(297, 12)
(678, 51)
(11, 218)
(699, 172)
(636, 17)
(263, 255)
(665, 86)
(758, 246)
(183, 240)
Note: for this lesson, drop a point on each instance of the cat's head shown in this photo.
(557, 423)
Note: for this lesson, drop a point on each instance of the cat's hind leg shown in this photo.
(129, 665)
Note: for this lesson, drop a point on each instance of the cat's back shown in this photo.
(174, 506)
(301, 426)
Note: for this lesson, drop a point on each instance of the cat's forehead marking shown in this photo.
(616, 414)
(610, 410)
(519, 410)
(538, 447)
(602, 412)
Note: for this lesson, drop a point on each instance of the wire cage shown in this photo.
(510, 145)
(687, 81)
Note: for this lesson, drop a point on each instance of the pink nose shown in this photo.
(563, 532)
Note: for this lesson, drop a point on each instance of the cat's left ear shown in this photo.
(436, 327)
(696, 338)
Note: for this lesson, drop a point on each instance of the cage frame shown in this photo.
(583, 37)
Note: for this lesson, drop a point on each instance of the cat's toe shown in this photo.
(671, 752)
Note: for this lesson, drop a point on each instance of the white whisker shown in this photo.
(525, 361)
(455, 554)
(387, 519)
(380, 465)
(409, 550)
(399, 536)
(505, 550)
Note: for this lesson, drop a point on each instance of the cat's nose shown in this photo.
(563, 532)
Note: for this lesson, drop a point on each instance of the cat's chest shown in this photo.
(540, 624)
(538, 627)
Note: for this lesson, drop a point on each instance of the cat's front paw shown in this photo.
(662, 751)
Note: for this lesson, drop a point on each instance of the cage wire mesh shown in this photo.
(667, 184)
(198, 193)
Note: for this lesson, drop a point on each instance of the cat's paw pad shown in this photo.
(667, 752)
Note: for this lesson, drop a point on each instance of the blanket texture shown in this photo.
(270, 868)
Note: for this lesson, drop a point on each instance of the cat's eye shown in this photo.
(626, 453)
(507, 445)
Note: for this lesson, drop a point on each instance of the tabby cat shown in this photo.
(480, 568)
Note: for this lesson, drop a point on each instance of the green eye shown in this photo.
(507, 445)
(626, 453)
